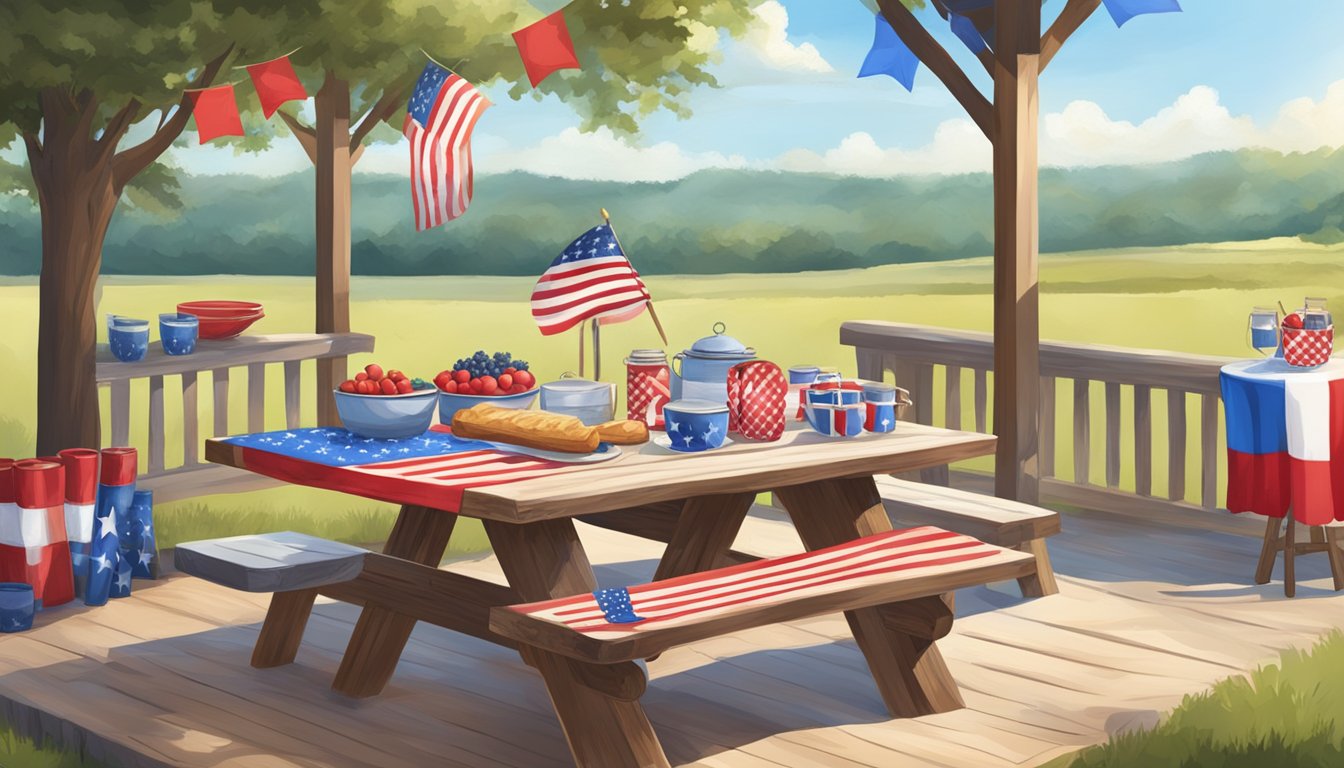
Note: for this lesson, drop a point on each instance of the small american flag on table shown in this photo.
(441, 114)
(590, 278)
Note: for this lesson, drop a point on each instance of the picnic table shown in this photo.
(528, 507)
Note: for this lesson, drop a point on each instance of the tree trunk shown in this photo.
(1017, 370)
(77, 197)
(332, 158)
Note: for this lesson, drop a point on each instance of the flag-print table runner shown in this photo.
(431, 470)
(1285, 439)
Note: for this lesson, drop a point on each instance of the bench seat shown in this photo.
(1002, 522)
(270, 562)
(903, 566)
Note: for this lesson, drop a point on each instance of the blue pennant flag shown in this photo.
(1124, 10)
(965, 29)
(890, 56)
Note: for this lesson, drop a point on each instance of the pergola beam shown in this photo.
(940, 63)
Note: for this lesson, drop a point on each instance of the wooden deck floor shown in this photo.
(1145, 616)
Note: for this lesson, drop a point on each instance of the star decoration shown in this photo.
(109, 522)
(673, 426)
(103, 565)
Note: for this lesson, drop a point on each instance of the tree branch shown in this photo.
(937, 59)
(983, 19)
(116, 128)
(307, 136)
(129, 162)
(384, 108)
(1068, 21)
(34, 146)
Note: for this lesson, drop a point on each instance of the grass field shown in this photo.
(1186, 299)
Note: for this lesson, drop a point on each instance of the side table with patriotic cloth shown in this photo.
(528, 506)
(1285, 457)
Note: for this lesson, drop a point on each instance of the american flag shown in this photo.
(591, 278)
(439, 119)
(915, 553)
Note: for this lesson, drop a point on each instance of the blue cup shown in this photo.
(803, 374)
(178, 332)
(128, 338)
(695, 425)
(16, 607)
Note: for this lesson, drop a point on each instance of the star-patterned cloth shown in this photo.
(615, 605)
(337, 447)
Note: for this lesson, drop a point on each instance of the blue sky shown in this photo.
(1216, 76)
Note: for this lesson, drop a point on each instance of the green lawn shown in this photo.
(1185, 299)
(17, 752)
(1285, 715)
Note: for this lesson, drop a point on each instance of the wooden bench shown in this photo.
(1002, 522)
(270, 562)
(903, 573)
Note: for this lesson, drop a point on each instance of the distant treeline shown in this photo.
(712, 221)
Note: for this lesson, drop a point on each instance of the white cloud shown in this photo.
(1082, 134)
(768, 39)
(601, 155)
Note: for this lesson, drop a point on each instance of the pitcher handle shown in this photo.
(676, 359)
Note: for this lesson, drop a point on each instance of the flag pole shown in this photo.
(597, 349)
(581, 322)
(652, 314)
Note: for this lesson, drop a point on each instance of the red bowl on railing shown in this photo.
(219, 308)
(222, 319)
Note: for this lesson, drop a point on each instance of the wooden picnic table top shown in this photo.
(641, 475)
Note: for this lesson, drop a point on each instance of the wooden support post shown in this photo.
(704, 534)
(1268, 550)
(1017, 367)
(332, 110)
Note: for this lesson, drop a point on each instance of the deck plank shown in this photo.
(162, 678)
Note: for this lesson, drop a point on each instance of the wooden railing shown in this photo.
(912, 352)
(192, 477)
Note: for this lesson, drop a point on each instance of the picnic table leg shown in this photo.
(1336, 555)
(1290, 556)
(419, 535)
(908, 669)
(704, 534)
(543, 560)
(282, 632)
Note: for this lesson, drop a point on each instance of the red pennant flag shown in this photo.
(545, 47)
(216, 113)
(276, 83)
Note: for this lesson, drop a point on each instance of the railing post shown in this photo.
(1176, 444)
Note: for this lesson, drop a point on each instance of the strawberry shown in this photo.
(505, 381)
(396, 375)
(510, 369)
(348, 385)
(449, 386)
(489, 386)
(475, 386)
(374, 370)
(443, 379)
(517, 389)
(361, 376)
(387, 386)
(462, 376)
(525, 378)
(364, 387)
(404, 386)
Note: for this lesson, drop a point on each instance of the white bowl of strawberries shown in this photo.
(497, 379)
(385, 406)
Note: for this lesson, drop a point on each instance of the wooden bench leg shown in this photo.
(1268, 550)
(419, 535)
(282, 631)
(1336, 555)
(909, 671)
(1042, 582)
(605, 727)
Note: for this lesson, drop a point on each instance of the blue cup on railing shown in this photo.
(128, 338)
(16, 607)
(178, 332)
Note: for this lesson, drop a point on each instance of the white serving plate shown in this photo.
(662, 440)
(604, 452)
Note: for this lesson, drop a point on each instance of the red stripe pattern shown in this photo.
(432, 481)
(913, 553)
(442, 113)
(591, 278)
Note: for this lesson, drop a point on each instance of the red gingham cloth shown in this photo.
(757, 391)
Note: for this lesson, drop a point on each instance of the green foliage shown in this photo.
(1289, 714)
(23, 753)
(716, 221)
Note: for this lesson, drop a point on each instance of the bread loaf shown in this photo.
(532, 429)
(623, 432)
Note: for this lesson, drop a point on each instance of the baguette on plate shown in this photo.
(623, 432)
(532, 429)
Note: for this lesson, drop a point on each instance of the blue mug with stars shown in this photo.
(128, 338)
(17, 607)
(695, 425)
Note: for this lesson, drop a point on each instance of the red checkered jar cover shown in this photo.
(757, 391)
(1306, 347)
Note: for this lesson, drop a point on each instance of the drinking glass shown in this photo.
(1263, 327)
